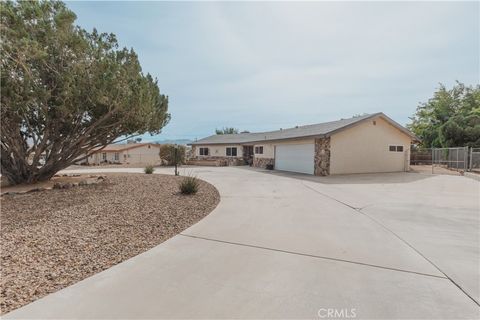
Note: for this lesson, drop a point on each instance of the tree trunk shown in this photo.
(20, 172)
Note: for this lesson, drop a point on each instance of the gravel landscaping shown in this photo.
(54, 238)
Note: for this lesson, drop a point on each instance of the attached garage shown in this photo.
(369, 146)
(295, 158)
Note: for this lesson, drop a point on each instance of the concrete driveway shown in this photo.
(280, 245)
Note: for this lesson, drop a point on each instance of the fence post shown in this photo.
(457, 160)
(470, 166)
(433, 158)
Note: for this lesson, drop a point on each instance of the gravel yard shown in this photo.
(54, 238)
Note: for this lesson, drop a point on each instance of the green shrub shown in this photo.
(149, 169)
(189, 185)
(167, 154)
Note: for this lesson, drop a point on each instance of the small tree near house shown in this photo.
(66, 92)
(167, 154)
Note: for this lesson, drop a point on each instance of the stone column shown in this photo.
(322, 156)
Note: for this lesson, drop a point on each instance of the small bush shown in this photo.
(189, 185)
(149, 169)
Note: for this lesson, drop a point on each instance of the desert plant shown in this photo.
(149, 169)
(189, 185)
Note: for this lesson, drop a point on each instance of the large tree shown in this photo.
(451, 118)
(66, 92)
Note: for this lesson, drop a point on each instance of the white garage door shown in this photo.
(295, 157)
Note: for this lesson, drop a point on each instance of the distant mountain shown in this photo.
(177, 141)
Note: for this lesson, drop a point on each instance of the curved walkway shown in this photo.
(295, 246)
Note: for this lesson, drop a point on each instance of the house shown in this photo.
(364, 144)
(129, 153)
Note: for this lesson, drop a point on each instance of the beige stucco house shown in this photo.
(364, 144)
(130, 153)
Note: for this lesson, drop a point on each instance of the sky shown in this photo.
(262, 66)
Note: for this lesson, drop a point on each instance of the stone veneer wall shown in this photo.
(322, 156)
(262, 162)
(220, 161)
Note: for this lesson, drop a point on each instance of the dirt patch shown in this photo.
(54, 238)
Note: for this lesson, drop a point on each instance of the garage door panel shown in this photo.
(295, 158)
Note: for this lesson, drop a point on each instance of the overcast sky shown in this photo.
(264, 66)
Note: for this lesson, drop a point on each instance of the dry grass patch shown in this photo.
(54, 238)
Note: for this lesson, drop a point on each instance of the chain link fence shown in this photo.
(474, 161)
(443, 159)
(450, 158)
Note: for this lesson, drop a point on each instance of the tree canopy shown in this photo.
(226, 130)
(168, 152)
(66, 91)
(451, 118)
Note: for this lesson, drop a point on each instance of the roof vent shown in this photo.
(281, 129)
(296, 127)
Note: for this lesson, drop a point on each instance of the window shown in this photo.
(259, 150)
(117, 156)
(104, 156)
(203, 151)
(395, 148)
(231, 151)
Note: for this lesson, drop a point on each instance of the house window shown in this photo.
(104, 156)
(231, 151)
(259, 150)
(395, 148)
(117, 156)
(203, 151)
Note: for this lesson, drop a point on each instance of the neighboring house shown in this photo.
(130, 153)
(369, 143)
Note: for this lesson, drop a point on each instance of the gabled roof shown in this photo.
(116, 147)
(312, 130)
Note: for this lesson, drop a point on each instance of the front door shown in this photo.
(248, 154)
